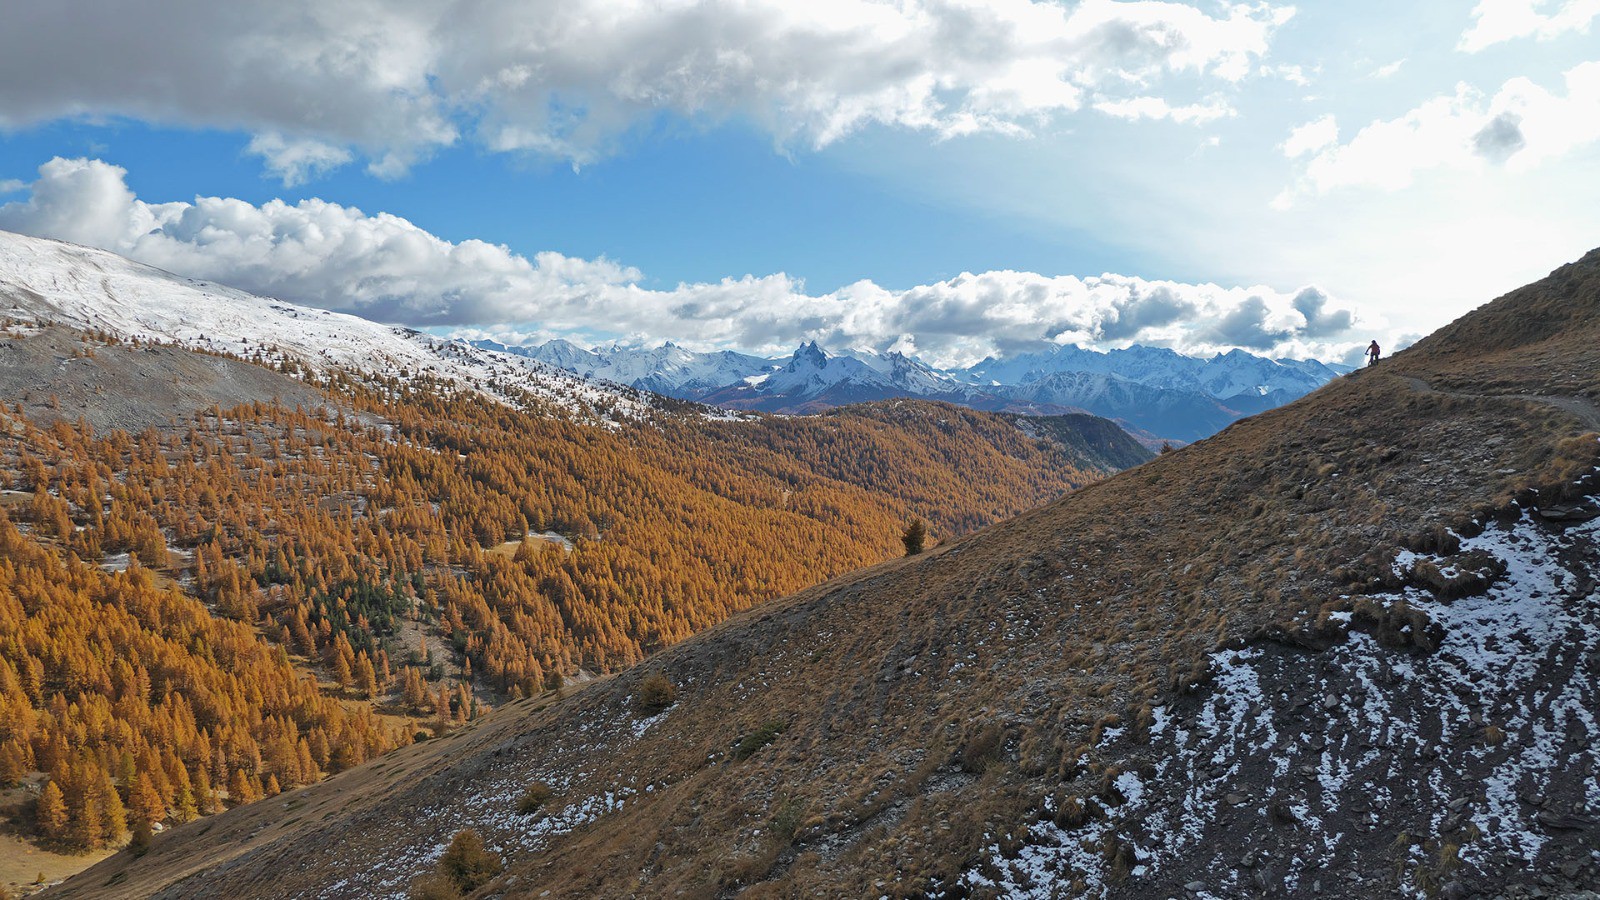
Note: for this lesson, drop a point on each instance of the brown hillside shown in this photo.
(1539, 337)
(987, 718)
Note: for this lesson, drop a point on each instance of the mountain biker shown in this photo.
(1373, 352)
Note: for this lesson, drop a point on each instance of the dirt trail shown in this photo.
(1579, 407)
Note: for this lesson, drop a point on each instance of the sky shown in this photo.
(951, 178)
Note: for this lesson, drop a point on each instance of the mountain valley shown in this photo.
(1346, 647)
(312, 539)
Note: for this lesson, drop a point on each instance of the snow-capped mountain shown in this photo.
(814, 379)
(1178, 413)
(668, 369)
(1154, 389)
(45, 281)
(1224, 376)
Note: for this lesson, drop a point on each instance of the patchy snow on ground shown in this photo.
(1482, 744)
(489, 804)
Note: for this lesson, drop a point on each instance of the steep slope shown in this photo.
(56, 375)
(1344, 648)
(1085, 438)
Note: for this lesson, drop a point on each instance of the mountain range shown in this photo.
(1154, 391)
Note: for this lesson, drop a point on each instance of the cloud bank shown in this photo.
(311, 79)
(1497, 21)
(385, 268)
(1522, 126)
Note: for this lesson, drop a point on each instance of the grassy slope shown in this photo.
(930, 702)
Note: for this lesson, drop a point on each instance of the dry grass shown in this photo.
(23, 862)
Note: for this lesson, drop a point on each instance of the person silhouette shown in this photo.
(1373, 352)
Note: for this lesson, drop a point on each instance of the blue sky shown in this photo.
(1289, 179)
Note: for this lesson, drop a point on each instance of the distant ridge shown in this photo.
(1154, 390)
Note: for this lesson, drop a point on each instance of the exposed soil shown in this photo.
(51, 373)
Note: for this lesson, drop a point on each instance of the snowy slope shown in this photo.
(668, 369)
(815, 379)
(814, 370)
(44, 281)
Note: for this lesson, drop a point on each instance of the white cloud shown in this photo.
(385, 268)
(1389, 70)
(1521, 127)
(1136, 108)
(1495, 21)
(296, 161)
(315, 78)
(1295, 75)
(1311, 137)
(314, 252)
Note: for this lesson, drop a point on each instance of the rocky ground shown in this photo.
(58, 374)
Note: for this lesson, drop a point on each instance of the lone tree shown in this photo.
(50, 813)
(467, 863)
(655, 694)
(916, 534)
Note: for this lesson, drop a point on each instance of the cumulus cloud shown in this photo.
(1311, 137)
(1144, 311)
(296, 161)
(1495, 21)
(379, 266)
(1321, 321)
(1250, 324)
(1521, 126)
(396, 80)
(386, 268)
